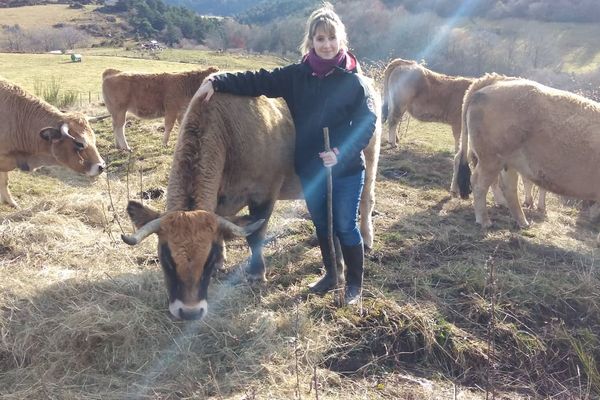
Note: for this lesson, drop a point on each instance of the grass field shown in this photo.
(44, 16)
(86, 77)
(449, 310)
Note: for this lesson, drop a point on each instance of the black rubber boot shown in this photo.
(354, 258)
(327, 281)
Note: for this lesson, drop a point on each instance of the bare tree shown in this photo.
(71, 37)
(15, 38)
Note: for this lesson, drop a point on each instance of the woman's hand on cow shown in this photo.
(329, 157)
(206, 90)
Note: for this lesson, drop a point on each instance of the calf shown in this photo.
(34, 133)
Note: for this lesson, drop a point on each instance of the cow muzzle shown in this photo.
(180, 310)
(96, 169)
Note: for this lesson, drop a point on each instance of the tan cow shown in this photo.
(34, 133)
(231, 152)
(549, 136)
(149, 96)
(431, 97)
(426, 95)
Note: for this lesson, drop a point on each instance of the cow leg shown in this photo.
(367, 203)
(509, 180)
(528, 190)
(169, 123)
(5, 196)
(481, 180)
(118, 122)
(456, 134)
(541, 205)
(222, 259)
(256, 270)
(498, 194)
(393, 133)
(367, 199)
(456, 166)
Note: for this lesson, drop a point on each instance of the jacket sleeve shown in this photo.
(362, 128)
(275, 83)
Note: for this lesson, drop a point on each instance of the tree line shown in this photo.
(170, 24)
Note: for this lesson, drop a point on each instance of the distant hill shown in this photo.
(216, 7)
(247, 11)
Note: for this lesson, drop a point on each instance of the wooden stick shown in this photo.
(338, 295)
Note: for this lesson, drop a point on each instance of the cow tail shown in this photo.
(463, 175)
(463, 171)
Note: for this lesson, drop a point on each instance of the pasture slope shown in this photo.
(448, 311)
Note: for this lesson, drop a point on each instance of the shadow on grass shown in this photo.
(546, 300)
(415, 168)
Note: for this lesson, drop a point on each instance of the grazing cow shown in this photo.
(34, 133)
(426, 95)
(549, 136)
(231, 152)
(149, 96)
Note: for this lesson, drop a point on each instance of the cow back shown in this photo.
(232, 151)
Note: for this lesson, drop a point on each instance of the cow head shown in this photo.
(73, 144)
(189, 245)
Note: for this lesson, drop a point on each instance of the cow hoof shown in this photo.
(255, 278)
(485, 224)
(10, 203)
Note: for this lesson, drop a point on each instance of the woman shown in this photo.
(323, 90)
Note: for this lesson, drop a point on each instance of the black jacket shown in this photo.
(341, 101)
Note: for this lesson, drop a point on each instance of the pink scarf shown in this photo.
(322, 67)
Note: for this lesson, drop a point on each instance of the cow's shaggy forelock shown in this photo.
(189, 236)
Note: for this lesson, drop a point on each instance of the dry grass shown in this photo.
(83, 316)
(44, 16)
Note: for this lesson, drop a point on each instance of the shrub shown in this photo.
(51, 93)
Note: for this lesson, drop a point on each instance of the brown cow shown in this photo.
(34, 133)
(149, 96)
(231, 152)
(549, 136)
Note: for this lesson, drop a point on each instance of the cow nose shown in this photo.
(180, 310)
(101, 168)
(191, 315)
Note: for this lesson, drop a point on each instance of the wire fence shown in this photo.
(89, 97)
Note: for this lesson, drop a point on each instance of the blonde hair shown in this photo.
(327, 18)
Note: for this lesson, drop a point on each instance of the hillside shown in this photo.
(216, 7)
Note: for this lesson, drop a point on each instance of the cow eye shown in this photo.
(79, 146)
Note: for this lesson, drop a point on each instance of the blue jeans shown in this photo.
(346, 198)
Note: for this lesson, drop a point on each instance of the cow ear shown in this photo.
(140, 214)
(51, 134)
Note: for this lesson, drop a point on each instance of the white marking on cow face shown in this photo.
(180, 310)
(96, 169)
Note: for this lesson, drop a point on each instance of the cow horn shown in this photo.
(64, 130)
(98, 118)
(239, 230)
(142, 233)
